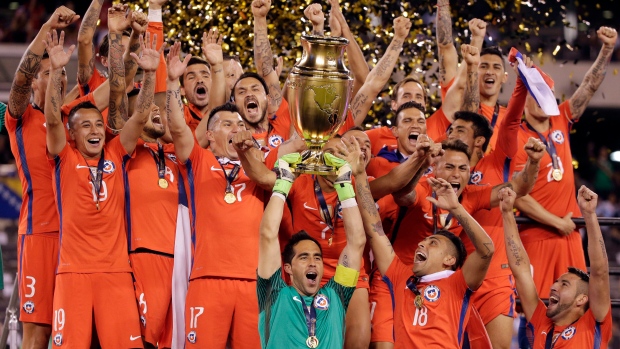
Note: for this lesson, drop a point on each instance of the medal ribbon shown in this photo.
(412, 284)
(321, 198)
(495, 114)
(310, 313)
(548, 144)
(549, 343)
(160, 160)
(229, 177)
(96, 180)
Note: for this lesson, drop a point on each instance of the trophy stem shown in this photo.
(312, 162)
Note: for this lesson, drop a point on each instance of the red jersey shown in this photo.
(583, 333)
(558, 197)
(224, 236)
(494, 169)
(441, 320)
(91, 240)
(496, 115)
(379, 166)
(27, 136)
(307, 215)
(96, 79)
(380, 138)
(417, 222)
(437, 126)
(279, 128)
(192, 116)
(152, 210)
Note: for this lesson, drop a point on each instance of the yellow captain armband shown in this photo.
(346, 276)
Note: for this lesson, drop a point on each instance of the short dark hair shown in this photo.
(192, 61)
(493, 50)
(249, 75)
(354, 128)
(224, 107)
(480, 124)
(79, 106)
(408, 79)
(104, 47)
(456, 145)
(459, 246)
(582, 274)
(289, 250)
(408, 105)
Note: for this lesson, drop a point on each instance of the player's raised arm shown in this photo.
(252, 160)
(181, 133)
(517, 257)
(477, 263)
(263, 55)
(349, 162)
(269, 258)
(464, 94)
(314, 13)
(148, 61)
(86, 49)
(598, 287)
(406, 173)
(357, 62)
(595, 75)
(407, 195)
(21, 88)
(212, 50)
(381, 73)
(380, 244)
(118, 20)
(55, 132)
(446, 51)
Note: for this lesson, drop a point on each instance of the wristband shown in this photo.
(155, 15)
(345, 191)
(346, 276)
(282, 186)
(348, 203)
(279, 195)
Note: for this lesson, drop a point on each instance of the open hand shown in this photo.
(54, 46)
(176, 67)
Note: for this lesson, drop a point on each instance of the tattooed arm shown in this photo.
(182, 136)
(56, 139)
(21, 88)
(406, 174)
(598, 287)
(477, 264)
(594, 77)
(263, 56)
(381, 73)
(523, 182)
(464, 94)
(148, 61)
(139, 25)
(118, 20)
(446, 51)
(86, 49)
(517, 257)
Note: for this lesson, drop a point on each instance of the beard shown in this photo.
(154, 133)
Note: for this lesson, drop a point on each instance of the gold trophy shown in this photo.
(318, 90)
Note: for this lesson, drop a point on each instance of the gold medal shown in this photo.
(556, 174)
(312, 342)
(230, 198)
(163, 183)
(419, 301)
(330, 240)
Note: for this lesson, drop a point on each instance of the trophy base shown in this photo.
(313, 163)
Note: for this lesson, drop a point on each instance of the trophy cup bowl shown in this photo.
(318, 90)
